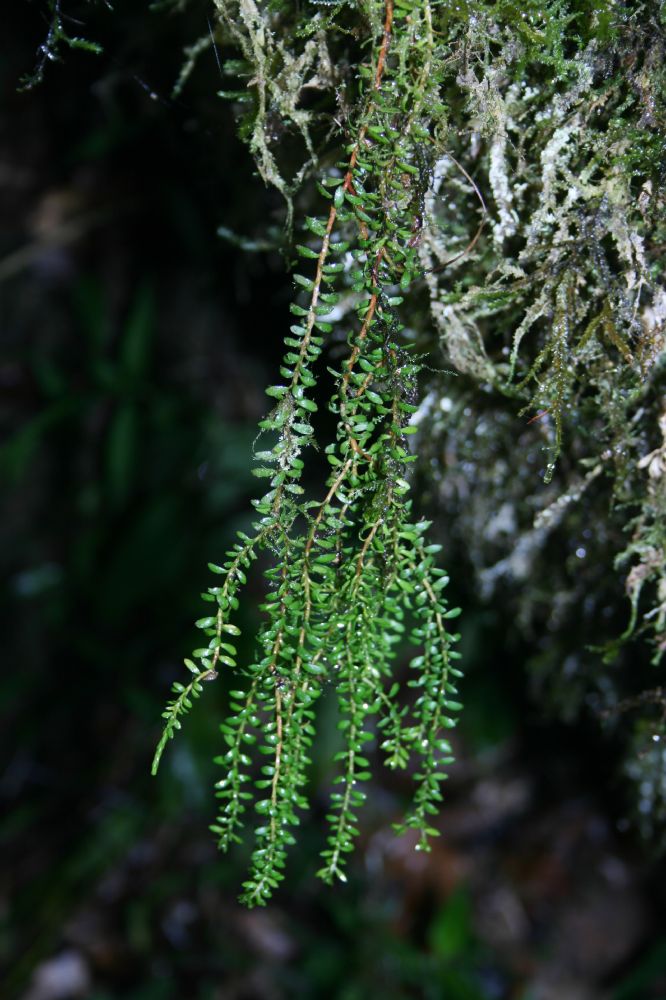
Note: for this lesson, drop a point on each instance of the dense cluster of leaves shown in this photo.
(351, 573)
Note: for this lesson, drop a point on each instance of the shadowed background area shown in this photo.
(135, 344)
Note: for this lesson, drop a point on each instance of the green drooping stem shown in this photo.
(349, 571)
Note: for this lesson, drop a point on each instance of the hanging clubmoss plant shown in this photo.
(351, 572)
(487, 188)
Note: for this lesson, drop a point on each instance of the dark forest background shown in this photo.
(135, 343)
